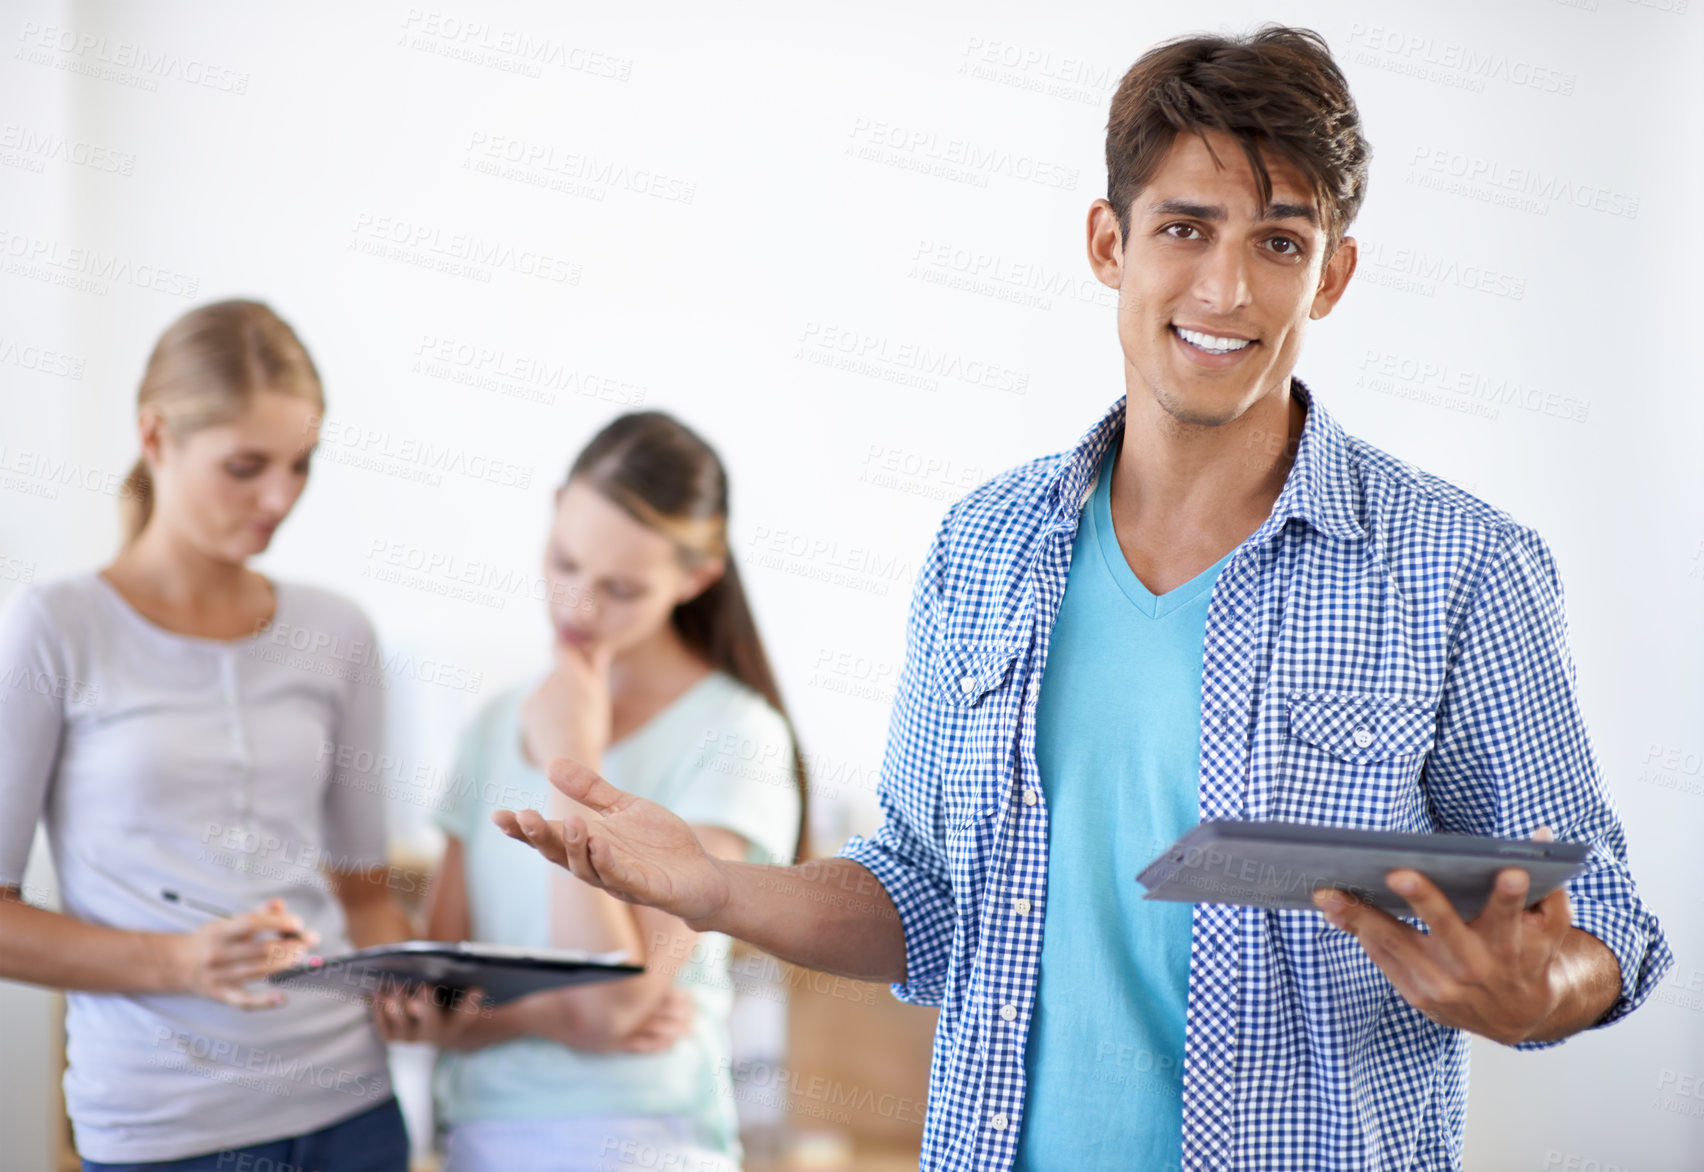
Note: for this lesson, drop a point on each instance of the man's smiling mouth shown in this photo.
(1211, 343)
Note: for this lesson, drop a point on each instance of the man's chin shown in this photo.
(1193, 402)
(1201, 410)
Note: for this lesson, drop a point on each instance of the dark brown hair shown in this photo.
(667, 478)
(206, 369)
(1278, 89)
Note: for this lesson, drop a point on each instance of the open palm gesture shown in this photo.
(636, 850)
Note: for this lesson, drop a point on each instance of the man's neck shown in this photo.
(1186, 494)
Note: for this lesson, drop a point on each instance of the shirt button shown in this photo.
(1030, 798)
(1021, 906)
(1008, 1012)
(967, 685)
(998, 1123)
(1363, 738)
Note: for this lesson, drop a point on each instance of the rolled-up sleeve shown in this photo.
(905, 853)
(1512, 754)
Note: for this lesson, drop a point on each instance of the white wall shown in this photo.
(719, 208)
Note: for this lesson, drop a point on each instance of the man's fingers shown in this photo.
(1500, 921)
(577, 842)
(1397, 948)
(1553, 914)
(586, 787)
(543, 836)
(562, 843)
(616, 876)
(1543, 834)
(1372, 926)
(1432, 906)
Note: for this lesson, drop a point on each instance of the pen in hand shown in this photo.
(211, 910)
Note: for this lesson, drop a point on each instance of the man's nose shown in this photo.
(1221, 282)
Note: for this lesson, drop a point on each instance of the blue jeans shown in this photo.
(373, 1141)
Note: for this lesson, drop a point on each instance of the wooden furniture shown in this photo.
(856, 1082)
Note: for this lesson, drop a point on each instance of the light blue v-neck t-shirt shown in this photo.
(719, 755)
(1118, 733)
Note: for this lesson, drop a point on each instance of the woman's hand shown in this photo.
(669, 1022)
(564, 1016)
(424, 1016)
(421, 1016)
(568, 715)
(220, 957)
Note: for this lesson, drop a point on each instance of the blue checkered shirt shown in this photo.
(1375, 599)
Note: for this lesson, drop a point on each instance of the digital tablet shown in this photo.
(502, 972)
(1282, 864)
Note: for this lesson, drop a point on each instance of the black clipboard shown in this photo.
(1282, 864)
(503, 972)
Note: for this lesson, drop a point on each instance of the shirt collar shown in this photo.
(1317, 490)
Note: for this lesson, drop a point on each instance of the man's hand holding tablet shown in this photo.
(1495, 975)
(1488, 962)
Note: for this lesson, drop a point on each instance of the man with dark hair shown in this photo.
(1216, 605)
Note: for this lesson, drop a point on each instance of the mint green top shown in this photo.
(717, 756)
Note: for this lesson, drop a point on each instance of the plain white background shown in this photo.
(846, 243)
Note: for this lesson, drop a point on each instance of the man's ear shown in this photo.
(1334, 277)
(1106, 245)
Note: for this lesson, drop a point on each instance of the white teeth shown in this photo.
(1209, 343)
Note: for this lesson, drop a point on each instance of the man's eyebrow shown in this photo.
(1215, 213)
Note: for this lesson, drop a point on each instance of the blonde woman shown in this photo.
(179, 769)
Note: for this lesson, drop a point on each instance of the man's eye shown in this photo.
(1284, 246)
(301, 467)
(243, 471)
(1176, 231)
(624, 593)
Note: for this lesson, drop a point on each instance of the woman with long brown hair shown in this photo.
(658, 680)
(177, 759)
